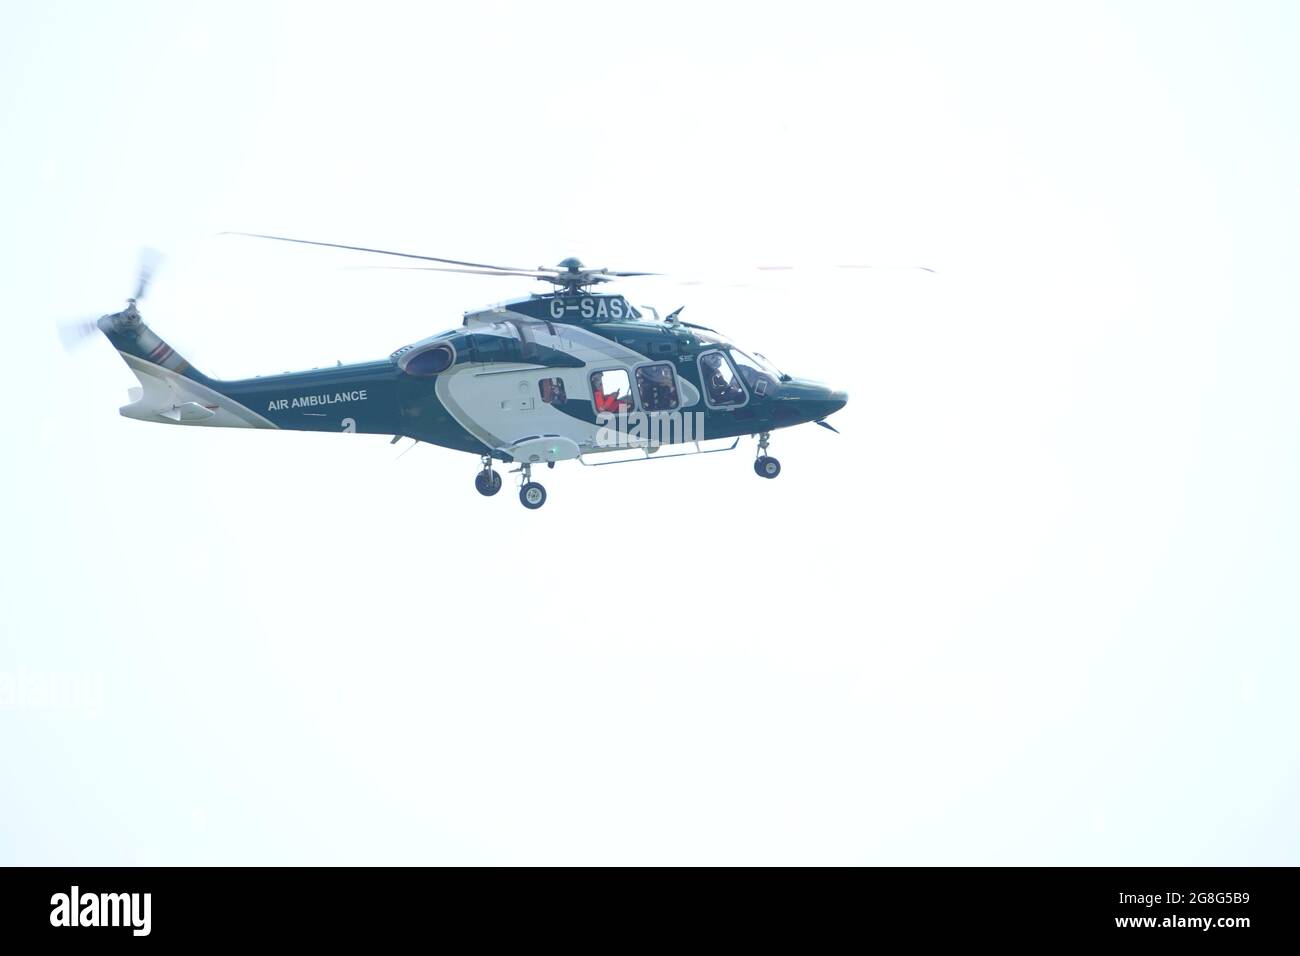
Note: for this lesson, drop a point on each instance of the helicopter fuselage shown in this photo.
(540, 379)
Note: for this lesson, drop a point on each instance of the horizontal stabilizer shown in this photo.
(188, 412)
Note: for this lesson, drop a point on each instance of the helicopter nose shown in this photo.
(807, 402)
(825, 404)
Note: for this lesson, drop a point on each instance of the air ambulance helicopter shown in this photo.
(569, 374)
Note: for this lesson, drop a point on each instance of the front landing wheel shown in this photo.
(765, 466)
(532, 495)
(487, 483)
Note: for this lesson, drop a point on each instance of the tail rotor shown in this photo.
(75, 334)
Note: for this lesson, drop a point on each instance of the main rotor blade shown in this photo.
(896, 268)
(796, 271)
(381, 252)
(478, 272)
(844, 266)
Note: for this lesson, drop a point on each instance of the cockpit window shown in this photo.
(657, 386)
(763, 362)
(721, 384)
(758, 374)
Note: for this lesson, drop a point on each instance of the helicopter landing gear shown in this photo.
(765, 466)
(531, 494)
(487, 482)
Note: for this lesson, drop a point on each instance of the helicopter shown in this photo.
(574, 373)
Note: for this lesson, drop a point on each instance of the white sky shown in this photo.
(1036, 604)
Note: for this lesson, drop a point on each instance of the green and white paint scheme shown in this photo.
(514, 383)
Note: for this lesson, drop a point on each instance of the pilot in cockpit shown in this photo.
(721, 381)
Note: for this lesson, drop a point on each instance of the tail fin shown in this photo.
(171, 389)
(130, 336)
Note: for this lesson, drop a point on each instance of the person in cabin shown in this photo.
(606, 401)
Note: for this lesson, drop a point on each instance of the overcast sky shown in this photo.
(1035, 604)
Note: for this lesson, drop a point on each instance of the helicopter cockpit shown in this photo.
(758, 374)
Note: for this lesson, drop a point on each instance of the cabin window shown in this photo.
(611, 390)
(722, 386)
(552, 390)
(657, 386)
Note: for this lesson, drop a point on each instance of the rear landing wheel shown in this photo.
(487, 483)
(532, 495)
(765, 466)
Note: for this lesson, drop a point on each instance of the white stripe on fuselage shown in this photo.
(499, 408)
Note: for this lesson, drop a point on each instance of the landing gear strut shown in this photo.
(765, 466)
(531, 494)
(487, 482)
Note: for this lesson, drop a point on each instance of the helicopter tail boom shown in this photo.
(171, 391)
(361, 397)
